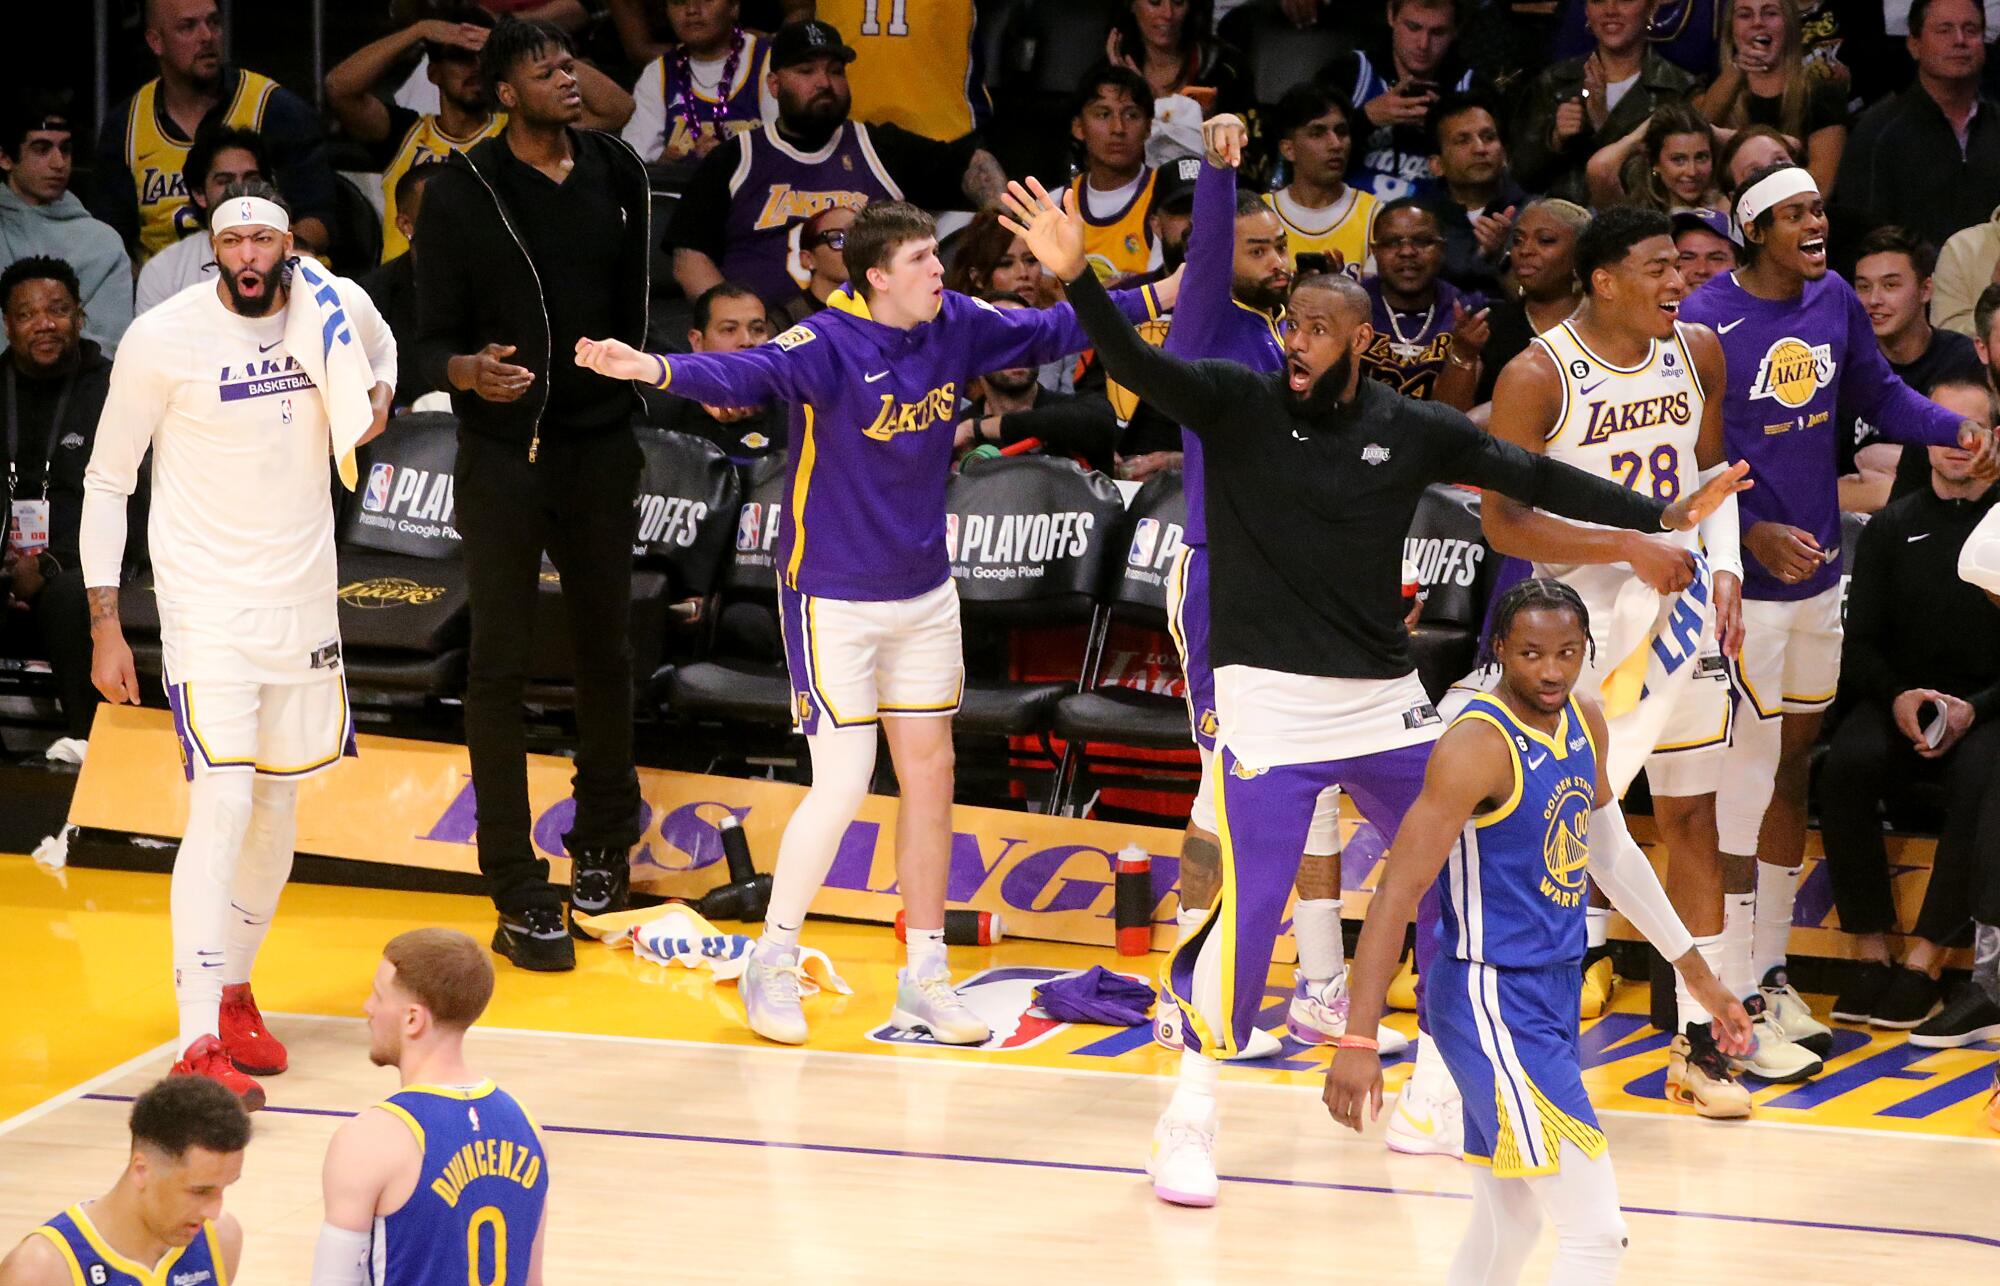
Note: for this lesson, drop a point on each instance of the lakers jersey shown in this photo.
(479, 1196)
(1339, 232)
(1513, 890)
(1119, 245)
(155, 153)
(92, 1261)
(912, 63)
(425, 143)
(775, 188)
(1635, 425)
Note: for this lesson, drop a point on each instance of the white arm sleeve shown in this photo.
(341, 1258)
(1620, 868)
(377, 340)
(132, 410)
(1722, 533)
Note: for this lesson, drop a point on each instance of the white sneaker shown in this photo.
(1262, 1044)
(1792, 1015)
(1427, 1125)
(1182, 1166)
(933, 1005)
(1318, 1016)
(66, 750)
(771, 996)
(1774, 1058)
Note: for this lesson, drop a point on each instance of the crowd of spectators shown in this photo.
(1444, 152)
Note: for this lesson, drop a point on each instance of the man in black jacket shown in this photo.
(530, 241)
(1012, 407)
(52, 387)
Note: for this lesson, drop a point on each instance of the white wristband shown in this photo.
(341, 1258)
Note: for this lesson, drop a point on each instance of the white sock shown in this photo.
(1316, 929)
(1194, 1094)
(198, 900)
(926, 952)
(1185, 922)
(1597, 926)
(843, 761)
(1739, 915)
(262, 868)
(1689, 1011)
(777, 938)
(1777, 890)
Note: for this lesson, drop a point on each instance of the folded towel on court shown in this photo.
(1095, 995)
(675, 934)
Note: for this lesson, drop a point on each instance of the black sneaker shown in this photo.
(1865, 985)
(536, 939)
(1969, 1018)
(600, 884)
(1910, 997)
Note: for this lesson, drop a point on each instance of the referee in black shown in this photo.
(532, 240)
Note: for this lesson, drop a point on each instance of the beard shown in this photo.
(1260, 294)
(265, 300)
(1323, 398)
(814, 120)
(1011, 383)
(1173, 254)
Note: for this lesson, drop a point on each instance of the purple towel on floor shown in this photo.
(1096, 995)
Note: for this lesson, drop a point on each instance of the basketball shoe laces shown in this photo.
(781, 981)
(593, 886)
(937, 989)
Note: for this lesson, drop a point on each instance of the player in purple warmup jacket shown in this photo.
(868, 606)
(1799, 349)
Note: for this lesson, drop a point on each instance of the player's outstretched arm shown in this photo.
(1629, 880)
(1470, 764)
(35, 1262)
(752, 377)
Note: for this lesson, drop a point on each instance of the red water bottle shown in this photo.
(1133, 904)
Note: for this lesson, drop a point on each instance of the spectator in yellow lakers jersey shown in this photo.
(143, 143)
(1117, 192)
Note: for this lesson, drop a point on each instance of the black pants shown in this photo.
(1870, 757)
(576, 502)
(56, 628)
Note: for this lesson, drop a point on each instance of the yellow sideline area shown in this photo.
(89, 988)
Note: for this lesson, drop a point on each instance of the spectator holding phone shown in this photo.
(1392, 90)
(1921, 668)
(1580, 105)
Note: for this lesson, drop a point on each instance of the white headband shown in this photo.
(1774, 190)
(248, 211)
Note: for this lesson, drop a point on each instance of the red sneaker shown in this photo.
(251, 1045)
(206, 1057)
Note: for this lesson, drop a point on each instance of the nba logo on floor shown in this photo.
(1005, 1000)
(376, 498)
(1145, 539)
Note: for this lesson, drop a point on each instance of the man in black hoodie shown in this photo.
(52, 386)
(532, 240)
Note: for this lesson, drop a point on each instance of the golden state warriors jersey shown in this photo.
(1339, 232)
(912, 65)
(1635, 425)
(1120, 245)
(479, 1196)
(155, 158)
(92, 1261)
(1512, 892)
(425, 143)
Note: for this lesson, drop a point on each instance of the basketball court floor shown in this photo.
(681, 1147)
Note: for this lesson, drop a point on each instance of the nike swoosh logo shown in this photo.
(870, 379)
(1923, 536)
(1537, 763)
(265, 348)
(1425, 1123)
(1298, 436)
(1586, 392)
(1726, 327)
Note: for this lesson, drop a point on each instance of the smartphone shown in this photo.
(1311, 262)
(1930, 717)
(1418, 88)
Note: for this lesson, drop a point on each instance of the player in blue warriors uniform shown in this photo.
(162, 1223)
(869, 609)
(1501, 832)
(444, 1181)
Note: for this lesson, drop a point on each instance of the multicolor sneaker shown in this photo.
(1318, 1016)
(1698, 1076)
(770, 987)
(1182, 1166)
(932, 1004)
(1166, 1022)
(250, 1045)
(1772, 1057)
(206, 1057)
(1792, 1015)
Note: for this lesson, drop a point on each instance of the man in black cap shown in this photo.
(1707, 244)
(741, 214)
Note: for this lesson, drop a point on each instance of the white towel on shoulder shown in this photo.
(335, 332)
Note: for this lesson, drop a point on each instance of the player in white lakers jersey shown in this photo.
(1625, 390)
(214, 382)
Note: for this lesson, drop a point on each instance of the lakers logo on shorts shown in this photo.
(1565, 849)
(1208, 723)
(1244, 772)
(389, 591)
(802, 706)
(1792, 370)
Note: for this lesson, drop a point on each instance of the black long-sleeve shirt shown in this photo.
(1308, 503)
(1064, 423)
(1911, 622)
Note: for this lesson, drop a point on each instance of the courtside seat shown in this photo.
(1125, 716)
(741, 678)
(687, 497)
(1029, 538)
(1454, 570)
